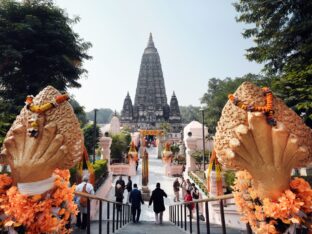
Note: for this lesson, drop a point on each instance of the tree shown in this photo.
(190, 113)
(38, 48)
(88, 137)
(103, 115)
(165, 127)
(198, 156)
(79, 111)
(217, 95)
(120, 145)
(282, 33)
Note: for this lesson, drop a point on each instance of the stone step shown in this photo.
(146, 227)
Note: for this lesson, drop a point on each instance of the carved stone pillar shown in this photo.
(105, 143)
(190, 143)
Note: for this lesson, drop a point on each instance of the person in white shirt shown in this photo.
(86, 187)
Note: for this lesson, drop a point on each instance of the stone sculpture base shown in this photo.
(146, 193)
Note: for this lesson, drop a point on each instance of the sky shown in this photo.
(196, 40)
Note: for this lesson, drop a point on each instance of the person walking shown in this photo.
(129, 187)
(183, 187)
(176, 189)
(188, 185)
(196, 195)
(157, 199)
(84, 187)
(121, 182)
(119, 196)
(188, 198)
(136, 200)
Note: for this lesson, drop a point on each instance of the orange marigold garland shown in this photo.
(267, 216)
(42, 213)
(267, 109)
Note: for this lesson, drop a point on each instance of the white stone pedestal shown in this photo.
(146, 193)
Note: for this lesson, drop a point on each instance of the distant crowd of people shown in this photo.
(189, 193)
(134, 197)
(185, 188)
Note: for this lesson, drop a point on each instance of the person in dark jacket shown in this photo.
(157, 199)
(129, 187)
(136, 201)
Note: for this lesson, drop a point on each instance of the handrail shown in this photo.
(210, 199)
(178, 216)
(91, 196)
(120, 216)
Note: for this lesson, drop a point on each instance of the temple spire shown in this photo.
(150, 41)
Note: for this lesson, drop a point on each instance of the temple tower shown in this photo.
(127, 110)
(150, 107)
(174, 114)
(150, 103)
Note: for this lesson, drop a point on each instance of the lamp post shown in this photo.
(94, 134)
(202, 109)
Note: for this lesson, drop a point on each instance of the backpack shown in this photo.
(84, 200)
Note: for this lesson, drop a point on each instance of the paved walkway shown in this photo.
(146, 227)
(156, 174)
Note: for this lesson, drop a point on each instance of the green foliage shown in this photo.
(190, 113)
(79, 111)
(198, 156)
(174, 149)
(100, 168)
(217, 95)
(281, 31)
(166, 127)
(229, 177)
(295, 88)
(73, 175)
(199, 180)
(6, 118)
(88, 132)
(38, 47)
(103, 115)
(120, 145)
(180, 159)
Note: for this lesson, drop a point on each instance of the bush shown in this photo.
(120, 146)
(229, 177)
(100, 168)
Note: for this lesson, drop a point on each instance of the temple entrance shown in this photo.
(148, 145)
(149, 138)
(150, 141)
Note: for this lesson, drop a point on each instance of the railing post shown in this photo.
(123, 215)
(100, 217)
(191, 214)
(170, 213)
(185, 220)
(120, 219)
(108, 221)
(222, 217)
(174, 215)
(181, 208)
(178, 216)
(88, 216)
(207, 218)
(197, 217)
(117, 218)
(114, 207)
